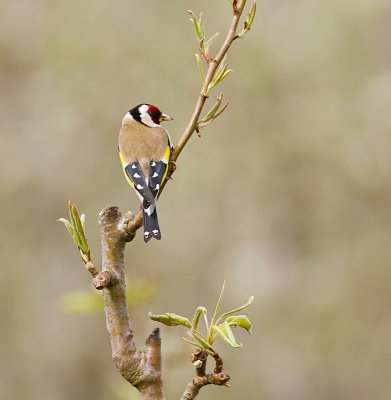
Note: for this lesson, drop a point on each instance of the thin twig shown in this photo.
(214, 63)
(192, 125)
(218, 377)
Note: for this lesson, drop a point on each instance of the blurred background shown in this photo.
(286, 196)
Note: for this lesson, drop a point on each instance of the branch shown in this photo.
(142, 369)
(218, 377)
(213, 65)
(192, 125)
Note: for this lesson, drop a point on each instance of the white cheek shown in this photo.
(147, 120)
(143, 109)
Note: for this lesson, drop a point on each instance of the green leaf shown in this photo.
(225, 331)
(211, 114)
(225, 74)
(214, 112)
(221, 68)
(83, 221)
(170, 319)
(193, 343)
(222, 316)
(69, 227)
(239, 320)
(197, 315)
(200, 70)
(78, 227)
(209, 350)
(249, 20)
(198, 25)
(201, 26)
(212, 322)
(218, 78)
(222, 110)
(251, 14)
(199, 338)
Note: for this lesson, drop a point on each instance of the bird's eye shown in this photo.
(154, 114)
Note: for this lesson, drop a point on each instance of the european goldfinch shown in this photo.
(144, 150)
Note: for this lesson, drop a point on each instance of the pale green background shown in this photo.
(287, 196)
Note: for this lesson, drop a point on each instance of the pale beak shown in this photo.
(165, 117)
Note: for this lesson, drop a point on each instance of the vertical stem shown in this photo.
(124, 351)
(142, 369)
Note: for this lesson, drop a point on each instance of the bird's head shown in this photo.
(148, 115)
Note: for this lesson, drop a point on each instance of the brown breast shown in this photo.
(141, 143)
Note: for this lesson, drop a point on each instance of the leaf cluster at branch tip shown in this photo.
(76, 228)
(218, 326)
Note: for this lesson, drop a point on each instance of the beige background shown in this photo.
(287, 196)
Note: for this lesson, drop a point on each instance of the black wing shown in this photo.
(136, 178)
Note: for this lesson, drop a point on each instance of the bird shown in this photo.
(145, 149)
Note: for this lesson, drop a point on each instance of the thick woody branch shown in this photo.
(238, 7)
(140, 368)
(117, 317)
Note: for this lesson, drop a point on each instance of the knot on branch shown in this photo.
(198, 359)
(104, 279)
(219, 363)
(215, 379)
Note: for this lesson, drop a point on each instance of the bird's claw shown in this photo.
(172, 166)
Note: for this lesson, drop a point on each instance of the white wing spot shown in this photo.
(134, 166)
(155, 175)
(139, 187)
(136, 175)
(157, 186)
(153, 164)
(149, 210)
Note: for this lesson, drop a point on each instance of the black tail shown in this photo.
(151, 226)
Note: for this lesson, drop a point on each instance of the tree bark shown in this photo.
(142, 369)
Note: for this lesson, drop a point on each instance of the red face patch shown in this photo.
(154, 113)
